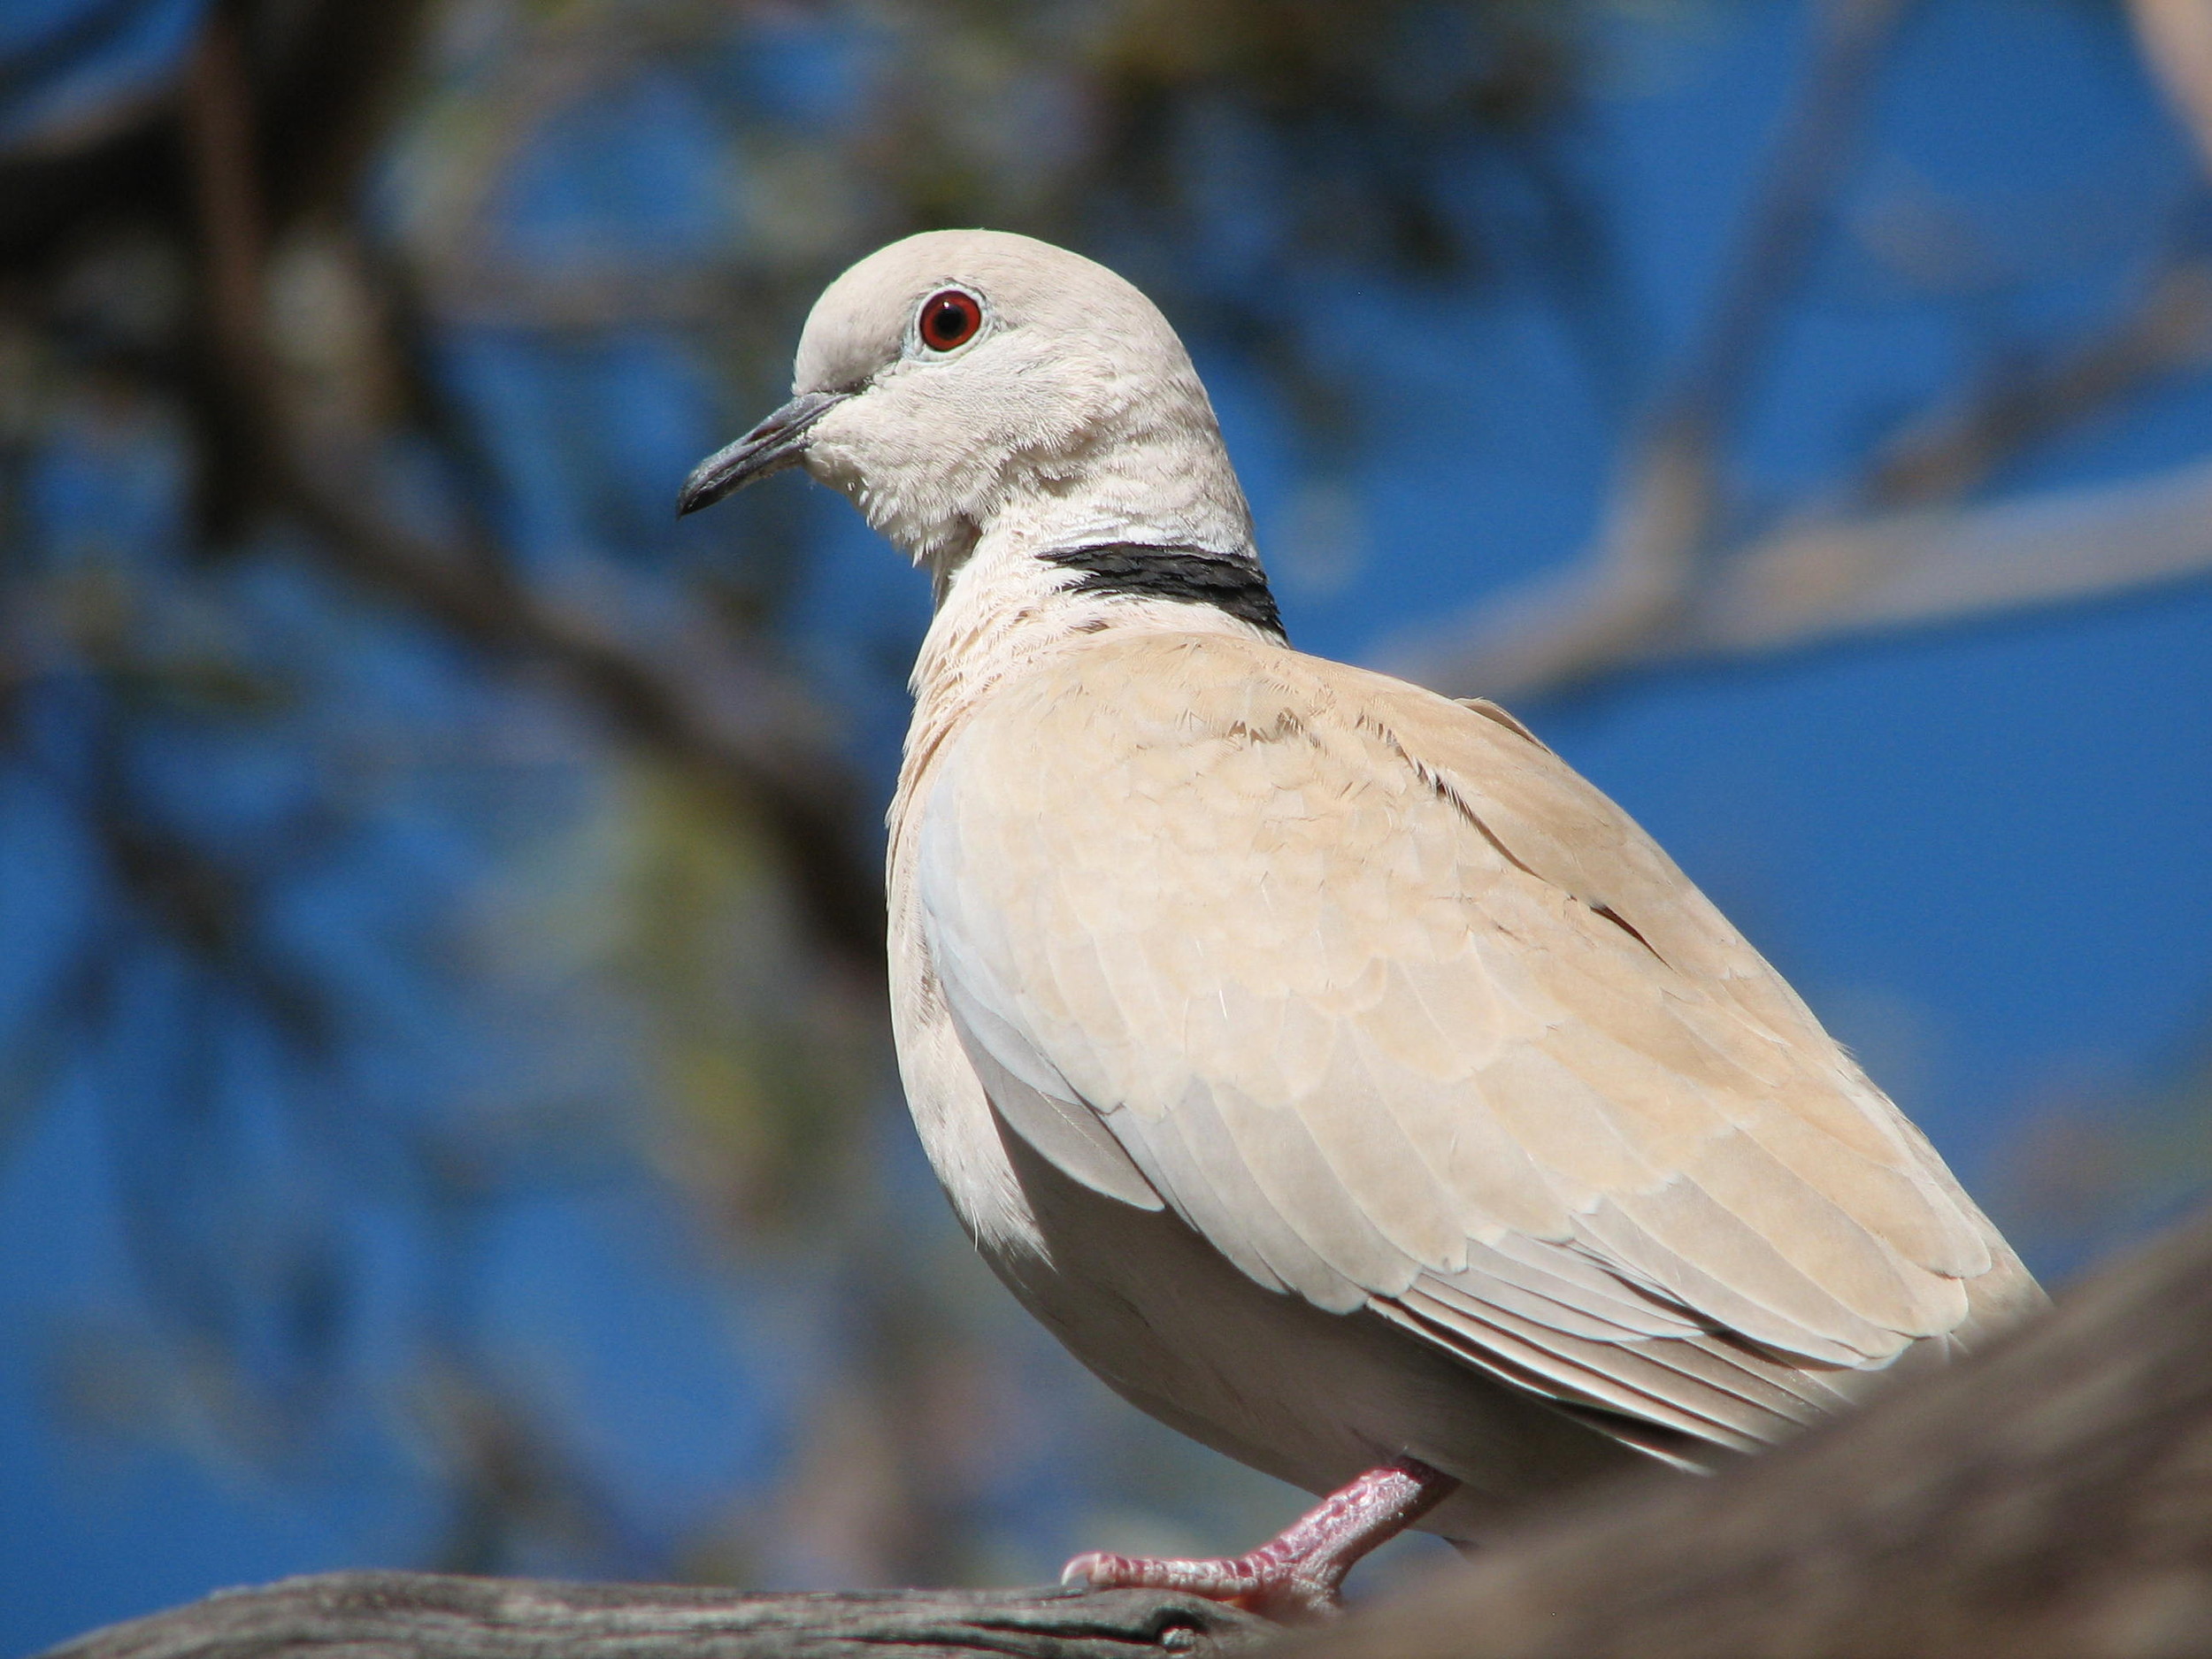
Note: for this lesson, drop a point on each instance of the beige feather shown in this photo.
(1362, 978)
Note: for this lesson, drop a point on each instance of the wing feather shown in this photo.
(1393, 1008)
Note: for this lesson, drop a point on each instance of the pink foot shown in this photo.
(1297, 1577)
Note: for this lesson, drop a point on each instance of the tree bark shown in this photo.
(440, 1616)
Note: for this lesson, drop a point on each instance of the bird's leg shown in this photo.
(1298, 1575)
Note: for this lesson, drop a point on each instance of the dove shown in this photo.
(1335, 1073)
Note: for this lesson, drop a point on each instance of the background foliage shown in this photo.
(443, 1097)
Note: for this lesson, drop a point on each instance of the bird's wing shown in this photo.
(1398, 1011)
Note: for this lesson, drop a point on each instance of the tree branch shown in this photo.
(1645, 596)
(1824, 578)
(1866, 566)
(1955, 450)
(1647, 553)
(435, 1616)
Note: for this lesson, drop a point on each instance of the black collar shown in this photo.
(1229, 583)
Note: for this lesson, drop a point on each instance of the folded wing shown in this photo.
(1399, 1012)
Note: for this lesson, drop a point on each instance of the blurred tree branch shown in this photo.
(1658, 525)
(676, 681)
(207, 183)
(1896, 549)
(1937, 564)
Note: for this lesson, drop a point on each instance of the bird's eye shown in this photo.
(950, 320)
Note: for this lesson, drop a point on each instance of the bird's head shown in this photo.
(960, 384)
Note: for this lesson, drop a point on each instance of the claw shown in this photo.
(1297, 1577)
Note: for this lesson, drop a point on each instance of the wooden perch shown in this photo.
(438, 1616)
(2049, 1499)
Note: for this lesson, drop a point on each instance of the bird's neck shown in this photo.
(1027, 594)
(1086, 543)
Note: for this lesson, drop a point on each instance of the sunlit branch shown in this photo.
(427, 1616)
(1930, 566)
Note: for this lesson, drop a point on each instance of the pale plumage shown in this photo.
(1337, 1073)
(1399, 1013)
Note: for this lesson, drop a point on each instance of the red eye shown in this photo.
(950, 320)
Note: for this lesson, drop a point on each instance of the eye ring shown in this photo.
(948, 320)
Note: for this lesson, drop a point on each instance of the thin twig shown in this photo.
(1954, 450)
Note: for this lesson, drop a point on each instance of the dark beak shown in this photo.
(777, 442)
